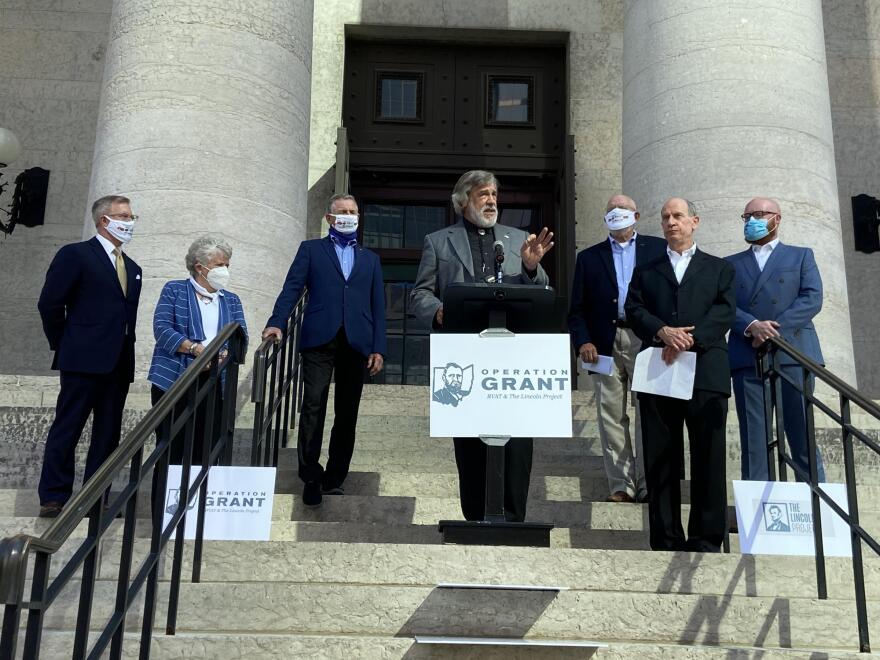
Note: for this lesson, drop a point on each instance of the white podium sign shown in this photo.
(238, 506)
(517, 386)
(776, 518)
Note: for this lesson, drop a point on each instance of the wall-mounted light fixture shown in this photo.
(29, 195)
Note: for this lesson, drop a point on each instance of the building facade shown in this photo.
(240, 119)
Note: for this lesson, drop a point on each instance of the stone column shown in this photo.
(727, 101)
(204, 124)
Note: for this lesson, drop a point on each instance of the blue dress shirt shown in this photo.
(624, 261)
(345, 254)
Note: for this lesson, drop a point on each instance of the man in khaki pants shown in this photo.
(598, 326)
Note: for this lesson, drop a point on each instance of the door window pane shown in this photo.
(400, 226)
(417, 352)
(395, 305)
(420, 221)
(398, 96)
(519, 218)
(383, 225)
(510, 100)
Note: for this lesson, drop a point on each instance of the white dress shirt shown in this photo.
(108, 248)
(680, 262)
(763, 252)
(209, 306)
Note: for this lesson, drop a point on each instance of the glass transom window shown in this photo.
(398, 96)
(511, 100)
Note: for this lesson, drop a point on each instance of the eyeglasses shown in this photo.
(756, 214)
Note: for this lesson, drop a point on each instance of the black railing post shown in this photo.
(186, 467)
(125, 554)
(806, 394)
(37, 606)
(767, 388)
(852, 500)
(779, 438)
(87, 586)
(258, 397)
(207, 442)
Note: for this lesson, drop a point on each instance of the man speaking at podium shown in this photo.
(465, 252)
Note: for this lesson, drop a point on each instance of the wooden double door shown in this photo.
(416, 118)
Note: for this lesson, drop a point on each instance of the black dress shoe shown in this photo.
(51, 509)
(332, 489)
(312, 494)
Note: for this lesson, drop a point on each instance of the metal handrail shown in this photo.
(277, 389)
(770, 371)
(88, 503)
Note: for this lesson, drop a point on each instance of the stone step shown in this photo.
(586, 467)
(280, 608)
(426, 511)
(234, 646)
(357, 532)
(542, 487)
(332, 563)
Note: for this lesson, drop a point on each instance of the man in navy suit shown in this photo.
(343, 332)
(778, 292)
(88, 306)
(598, 326)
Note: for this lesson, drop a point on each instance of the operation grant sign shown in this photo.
(238, 505)
(516, 386)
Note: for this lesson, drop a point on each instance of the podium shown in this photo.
(486, 318)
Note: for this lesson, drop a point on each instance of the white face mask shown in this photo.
(121, 230)
(218, 277)
(618, 218)
(345, 224)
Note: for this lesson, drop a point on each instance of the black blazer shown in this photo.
(705, 299)
(592, 317)
(86, 317)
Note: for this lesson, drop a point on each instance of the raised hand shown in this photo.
(535, 247)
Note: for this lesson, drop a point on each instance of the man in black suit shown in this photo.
(685, 301)
(597, 323)
(88, 306)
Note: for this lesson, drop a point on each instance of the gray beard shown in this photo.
(483, 223)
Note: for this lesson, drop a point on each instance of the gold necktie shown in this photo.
(120, 271)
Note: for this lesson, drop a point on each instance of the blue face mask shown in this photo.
(755, 229)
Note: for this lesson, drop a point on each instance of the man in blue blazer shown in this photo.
(343, 332)
(88, 307)
(597, 324)
(778, 292)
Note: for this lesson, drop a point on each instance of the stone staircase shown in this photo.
(363, 575)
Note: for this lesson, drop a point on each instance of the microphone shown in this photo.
(498, 246)
(499, 252)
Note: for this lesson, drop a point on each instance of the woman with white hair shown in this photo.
(188, 316)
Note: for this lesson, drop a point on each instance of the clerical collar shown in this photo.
(479, 231)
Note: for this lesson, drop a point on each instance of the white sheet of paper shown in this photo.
(605, 365)
(653, 376)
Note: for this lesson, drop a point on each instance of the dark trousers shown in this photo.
(663, 421)
(320, 364)
(81, 394)
(175, 450)
(470, 458)
(748, 392)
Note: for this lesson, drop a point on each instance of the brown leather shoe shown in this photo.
(50, 509)
(620, 496)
